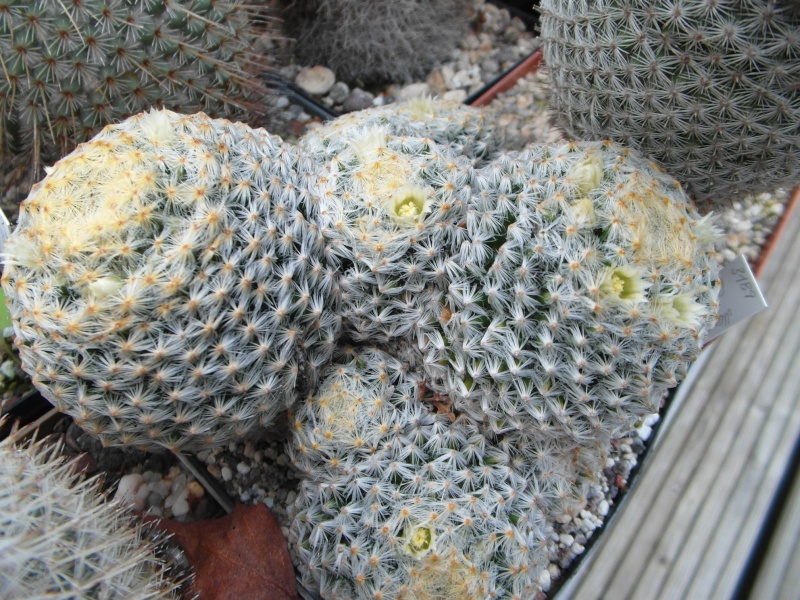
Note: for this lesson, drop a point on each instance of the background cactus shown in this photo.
(708, 89)
(375, 41)
(583, 292)
(168, 281)
(60, 539)
(70, 68)
(401, 503)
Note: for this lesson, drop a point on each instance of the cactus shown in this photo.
(401, 503)
(70, 68)
(584, 292)
(708, 89)
(378, 41)
(468, 131)
(60, 539)
(168, 281)
(392, 206)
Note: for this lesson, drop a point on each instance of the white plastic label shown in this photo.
(739, 298)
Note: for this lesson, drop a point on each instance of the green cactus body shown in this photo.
(400, 503)
(708, 89)
(168, 282)
(60, 539)
(71, 67)
(392, 208)
(584, 292)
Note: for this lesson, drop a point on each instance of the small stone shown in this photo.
(127, 488)
(602, 508)
(282, 460)
(291, 497)
(180, 507)
(7, 369)
(544, 580)
(195, 490)
(316, 81)
(338, 92)
(155, 500)
(358, 99)
(566, 539)
(281, 102)
(413, 90)
(436, 83)
(269, 502)
(243, 468)
(576, 548)
(455, 95)
(227, 474)
(214, 471)
(178, 484)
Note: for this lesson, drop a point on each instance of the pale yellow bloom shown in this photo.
(419, 541)
(624, 284)
(589, 174)
(680, 309)
(410, 203)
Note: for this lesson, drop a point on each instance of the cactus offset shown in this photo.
(168, 284)
(708, 89)
(584, 292)
(405, 503)
(392, 206)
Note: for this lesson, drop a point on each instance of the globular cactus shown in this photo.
(392, 207)
(378, 41)
(584, 292)
(468, 131)
(708, 89)
(168, 282)
(71, 67)
(398, 502)
(60, 539)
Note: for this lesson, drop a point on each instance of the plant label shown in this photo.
(739, 298)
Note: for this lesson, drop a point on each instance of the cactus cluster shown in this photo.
(376, 41)
(60, 539)
(401, 503)
(169, 283)
(71, 67)
(178, 280)
(708, 89)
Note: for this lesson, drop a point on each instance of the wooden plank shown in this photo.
(739, 498)
(761, 478)
(630, 546)
(779, 576)
(685, 545)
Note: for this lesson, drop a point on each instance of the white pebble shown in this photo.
(576, 548)
(227, 474)
(243, 468)
(602, 508)
(126, 489)
(180, 507)
(544, 580)
(566, 539)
